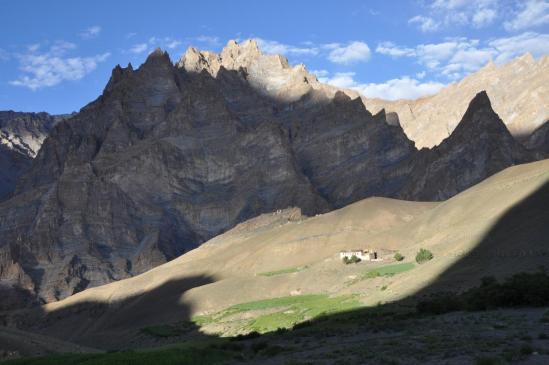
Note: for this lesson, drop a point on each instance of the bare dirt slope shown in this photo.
(470, 236)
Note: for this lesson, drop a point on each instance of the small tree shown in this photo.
(398, 257)
(354, 260)
(423, 256)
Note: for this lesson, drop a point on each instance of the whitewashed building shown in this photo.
(364, 255)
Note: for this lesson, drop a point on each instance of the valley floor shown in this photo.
(518, 336)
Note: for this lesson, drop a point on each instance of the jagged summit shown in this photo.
(481, 100)
(272, 75)
(158, 56)
(480, 119)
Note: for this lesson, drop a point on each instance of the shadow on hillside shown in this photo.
(116, 324)
(518, 241)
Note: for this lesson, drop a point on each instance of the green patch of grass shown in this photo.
(284, 271)
(284, 312)
(170, 356)
(389, 270)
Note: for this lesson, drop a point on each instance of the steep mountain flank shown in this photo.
(171, 155)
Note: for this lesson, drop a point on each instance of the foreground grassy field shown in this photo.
(271, 314)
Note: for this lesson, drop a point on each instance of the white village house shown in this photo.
(364, 255)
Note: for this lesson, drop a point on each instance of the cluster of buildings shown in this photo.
(363, 255)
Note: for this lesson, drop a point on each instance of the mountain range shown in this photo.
(171, 155)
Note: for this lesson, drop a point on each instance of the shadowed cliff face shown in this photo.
(539, 140)
(21, 135)
(167, 158)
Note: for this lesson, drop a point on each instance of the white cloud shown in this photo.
(274, 47)
(139, 48)
(483, 17)
(511, 47)
(426, 24)
(351, 53)
(450, 4)
(532, 13)
(173, 44)
(4, 55)
(155, 42)
(445, 13)
(131, 35)
(454, 58)
(211, 41)
(320, 73)
(52, 67)
(390, 49)
(91, 32)
(400, 88)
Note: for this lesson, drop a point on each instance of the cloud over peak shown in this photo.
(351, 53)
(51, 67)
(532, 13)
(91, 32)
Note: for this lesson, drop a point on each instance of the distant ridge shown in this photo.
(518, 90)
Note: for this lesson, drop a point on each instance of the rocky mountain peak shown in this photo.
(527, 58)
(196, 61)
(158, 56)
(480, 116)
(236, 55)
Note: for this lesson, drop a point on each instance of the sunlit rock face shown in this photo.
(172, 155)
(518, 90)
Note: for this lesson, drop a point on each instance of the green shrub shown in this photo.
(522, 289)
(352, 260)
(423, 256)
(247, 336)
(398, 257)
(441, 303)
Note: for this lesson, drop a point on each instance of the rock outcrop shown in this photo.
(170, 156)
(518, 91)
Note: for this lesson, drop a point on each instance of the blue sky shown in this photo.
(57, 56)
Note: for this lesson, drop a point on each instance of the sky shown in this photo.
(57, 56)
